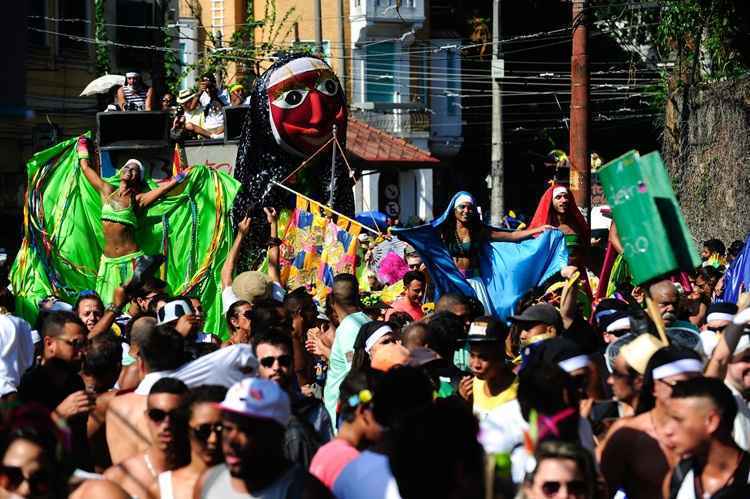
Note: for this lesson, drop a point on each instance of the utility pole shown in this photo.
(580, 171)
(497, 199)
(318, 27)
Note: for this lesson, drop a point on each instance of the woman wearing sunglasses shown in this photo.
(204, 428)
(563, 471)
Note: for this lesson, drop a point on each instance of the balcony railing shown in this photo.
(396, 121)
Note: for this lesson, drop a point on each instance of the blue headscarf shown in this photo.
(507, 269)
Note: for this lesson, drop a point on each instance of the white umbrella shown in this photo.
(102, 84)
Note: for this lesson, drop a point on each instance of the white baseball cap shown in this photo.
(258, 398)
(173, 310)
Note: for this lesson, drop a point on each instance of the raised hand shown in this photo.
(271, 215)
(243, 227)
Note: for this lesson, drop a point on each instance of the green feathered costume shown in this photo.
(62, 245)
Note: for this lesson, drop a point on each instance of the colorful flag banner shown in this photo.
(315, 248)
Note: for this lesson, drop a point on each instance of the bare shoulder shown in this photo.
(99, 489)
(116, 472)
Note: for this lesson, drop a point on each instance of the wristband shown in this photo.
(114, 309)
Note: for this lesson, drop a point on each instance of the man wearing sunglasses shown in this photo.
(169, 447)
(55, 383)
(255, 414)
(309, 425)
(160, 352)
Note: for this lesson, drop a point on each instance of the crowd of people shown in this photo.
(125, 394)
(197, 113)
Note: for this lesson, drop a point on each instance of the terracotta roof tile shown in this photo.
(372, 144)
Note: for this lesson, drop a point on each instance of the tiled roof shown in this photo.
(372, 144)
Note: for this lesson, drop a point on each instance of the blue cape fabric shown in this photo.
(737, 274)
(508, 270)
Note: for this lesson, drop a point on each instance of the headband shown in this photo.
(136, 163)
(131, 74)
(719, 316)
(464, 199)
(678, 367)
(374, 337)
(619, 324)
(559, 189)
(573, 363)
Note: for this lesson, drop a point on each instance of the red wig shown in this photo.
(573, 216)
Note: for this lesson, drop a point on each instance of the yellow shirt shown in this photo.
(484, 404)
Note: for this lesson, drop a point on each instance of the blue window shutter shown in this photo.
(380, 65)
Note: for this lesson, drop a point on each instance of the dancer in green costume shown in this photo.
(67, 232)
(120, 210)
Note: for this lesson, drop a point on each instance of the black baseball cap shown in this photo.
(487, 330)
(541, 313)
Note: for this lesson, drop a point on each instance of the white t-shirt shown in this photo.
(741, 431)
(214, 118)
(228, 296)
(224, 367)
(16, 352)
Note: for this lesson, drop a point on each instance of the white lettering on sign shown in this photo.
(639, 245)
(623, 195)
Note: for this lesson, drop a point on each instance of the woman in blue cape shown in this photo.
(465, 255)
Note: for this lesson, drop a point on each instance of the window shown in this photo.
(138, 13)
(37, 10)
(380, 65)
(78, 10)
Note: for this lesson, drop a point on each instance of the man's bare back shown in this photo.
(632, 458)
(127, 430)
(134, 476)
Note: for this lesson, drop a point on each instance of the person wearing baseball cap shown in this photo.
(255, 413)
(538, 322)
(492, 382)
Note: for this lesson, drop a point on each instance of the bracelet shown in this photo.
(274, 241)
(114, 309)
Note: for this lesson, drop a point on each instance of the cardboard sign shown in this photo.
(655, 238)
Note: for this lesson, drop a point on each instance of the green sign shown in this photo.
(655, 238)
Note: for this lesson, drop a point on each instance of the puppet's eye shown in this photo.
(328, 87)
(290, 99)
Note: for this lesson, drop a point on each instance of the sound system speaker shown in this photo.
(234, 118)
(142, 135)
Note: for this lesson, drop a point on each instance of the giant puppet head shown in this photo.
(305, 101)
(294, 106)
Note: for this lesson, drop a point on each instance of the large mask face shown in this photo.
(305, 101)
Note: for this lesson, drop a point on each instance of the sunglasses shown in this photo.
(552, 487)
(247, 314)
(203, 432)
(284, 361)
(75, 344)
(414, 266)
(159, 415)
(38, 482)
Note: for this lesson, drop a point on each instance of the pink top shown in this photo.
(331, 459)
(404, 305)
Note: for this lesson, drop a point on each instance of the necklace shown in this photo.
(150, 466)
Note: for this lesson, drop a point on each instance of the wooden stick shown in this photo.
(341, 215)
(655, 314)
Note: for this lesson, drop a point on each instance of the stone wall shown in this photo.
(706, 147)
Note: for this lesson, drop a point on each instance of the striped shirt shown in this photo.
(135, 100)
